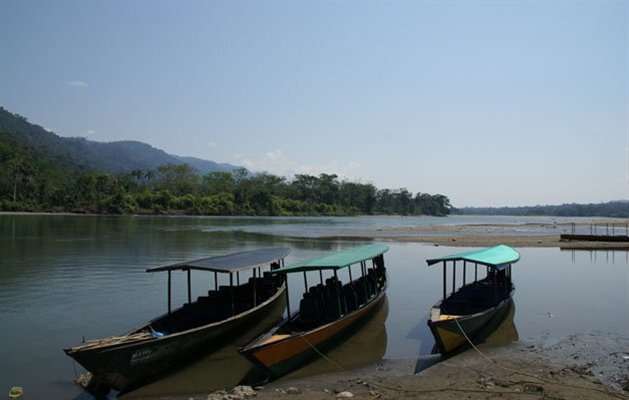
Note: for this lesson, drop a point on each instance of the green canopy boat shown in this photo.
(474, 305)
(327, 309)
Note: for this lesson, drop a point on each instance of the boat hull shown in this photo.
(127, 365)
(450, 333)
(282, 356)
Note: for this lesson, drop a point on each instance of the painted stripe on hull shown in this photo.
(448, 335)
(284, 356)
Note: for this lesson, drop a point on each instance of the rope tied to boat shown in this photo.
(462, 390)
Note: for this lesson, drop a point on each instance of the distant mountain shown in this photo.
(618, 208)
(121, 156)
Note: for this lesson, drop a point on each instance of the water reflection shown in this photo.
(607, 256)
(222, 368)
(364, 345)
(63, 277)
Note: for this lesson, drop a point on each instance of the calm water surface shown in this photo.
(67, 277)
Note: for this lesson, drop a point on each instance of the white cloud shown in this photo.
(277, 163)
(79, 83)
(90, 132)
(211, 144)
(49, 129)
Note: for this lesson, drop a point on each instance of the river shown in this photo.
(65, 277)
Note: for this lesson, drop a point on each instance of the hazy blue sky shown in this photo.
(489, 103)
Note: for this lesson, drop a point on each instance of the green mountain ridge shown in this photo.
(84, 154)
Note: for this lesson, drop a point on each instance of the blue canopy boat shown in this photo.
(469, 309)
(200, 325)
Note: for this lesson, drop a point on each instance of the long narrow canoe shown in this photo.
(326, 312)
(120, 362)
(477, 305)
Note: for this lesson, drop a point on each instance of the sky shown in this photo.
(489, 103)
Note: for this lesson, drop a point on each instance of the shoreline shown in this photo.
(584, 366)
(468, 235)
(532, 368)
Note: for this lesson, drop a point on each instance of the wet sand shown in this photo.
(516, 371)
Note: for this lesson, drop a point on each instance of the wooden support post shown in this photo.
(338, 294)
(231, 292)
(237, 278)
(169, 290)
(453, 275)
(216, 281)
(363, 269)
(495, 287)
(287, 298)
(255, 294)
(475, 273)
(321, 276)
(350, 273)
(444, 281)
(305, 282)
(464, 271)
(189, 288)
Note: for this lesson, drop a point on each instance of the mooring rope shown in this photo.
(463, 390)
(494, 362)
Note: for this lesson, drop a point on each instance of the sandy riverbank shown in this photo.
(480, 240)
(587, 366)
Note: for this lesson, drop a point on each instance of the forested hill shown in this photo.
(619, 209)
(40, 171)
(121, 156)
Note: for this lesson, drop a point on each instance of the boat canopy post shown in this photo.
(231, 292)
(305, 282)
(495, 276)
(216, 281)
(453, 276)
(464, 271)
(189, 288)
(363, 267)
(287, 297)
(475, 273)
(338, 294)
(444, 281)
(321, 276)
(238, 278)
(350, 274)
(169, 291)
(255, 296)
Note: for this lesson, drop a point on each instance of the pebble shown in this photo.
(345, 395)
(293, 390)
(244, 391)
(373, 393)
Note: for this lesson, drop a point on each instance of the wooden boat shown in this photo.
(326, 311)
(197, 327)
(474, 306)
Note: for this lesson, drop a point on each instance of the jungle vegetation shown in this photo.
(33, 180)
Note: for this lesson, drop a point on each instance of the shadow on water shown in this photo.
(497, 332)
(364, 344)
(221, 368)
(225, 367)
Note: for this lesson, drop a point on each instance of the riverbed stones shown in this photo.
(345, 395)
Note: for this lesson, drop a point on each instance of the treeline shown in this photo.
(616, 209)
(32, 182)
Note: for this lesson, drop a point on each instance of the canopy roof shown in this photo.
(497, 257)
(338, 259)
(231, 262)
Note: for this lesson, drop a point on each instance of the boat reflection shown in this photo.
(222, 368)
(225, 368)
(364, 345)
(505, 332)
